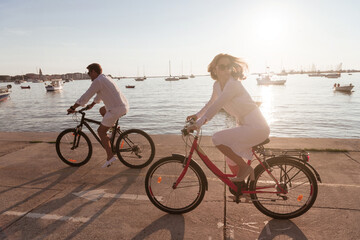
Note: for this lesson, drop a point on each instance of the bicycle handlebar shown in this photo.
(81, 110)
(185, 131)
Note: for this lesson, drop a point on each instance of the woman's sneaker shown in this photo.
(109, 162)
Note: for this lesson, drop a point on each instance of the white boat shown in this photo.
(5, 92)
(267, 79)
(55, 85)
(316, 75)
(333, 75)
(347, 88)
(183, 77)
(140, 79)
(171, 78)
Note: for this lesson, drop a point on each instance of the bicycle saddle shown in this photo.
(263, 143)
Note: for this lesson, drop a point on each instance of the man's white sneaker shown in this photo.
(109, 162)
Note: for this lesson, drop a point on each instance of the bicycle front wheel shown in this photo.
(135, 148)
(160, 179)
(73, 148)
(298, 182)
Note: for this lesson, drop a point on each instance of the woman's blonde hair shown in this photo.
(239, 70)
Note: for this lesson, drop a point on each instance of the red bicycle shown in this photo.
(285, 184)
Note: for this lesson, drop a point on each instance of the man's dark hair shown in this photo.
(96, 67)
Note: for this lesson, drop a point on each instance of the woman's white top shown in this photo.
(107, 91)
(234, 99)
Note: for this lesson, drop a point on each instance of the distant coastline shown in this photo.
(84, 76)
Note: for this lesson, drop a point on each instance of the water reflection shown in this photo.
(267, 103)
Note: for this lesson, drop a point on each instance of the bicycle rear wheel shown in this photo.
(73, 154)
(160, 179)
(295, 178)
(135, 148)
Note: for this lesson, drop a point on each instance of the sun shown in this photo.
(269, 27)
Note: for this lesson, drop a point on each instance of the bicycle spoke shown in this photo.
(160, 180)
(296, 183)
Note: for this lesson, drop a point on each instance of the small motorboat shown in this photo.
(267, 79)
(172, 78)
(140, 78)
(347, 88)
(25, 87)
(333, 75)
(55, 85)
(5, 92)
(130, 86)
(183, 77)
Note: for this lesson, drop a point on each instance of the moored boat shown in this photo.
(5, 92)
(267, 79)
(55, 85)
(333, 75)
(130, 86)
(25, 87)
(171, 78)
(183, 77)
(347, 88)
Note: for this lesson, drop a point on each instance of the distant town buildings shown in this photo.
(33, 76)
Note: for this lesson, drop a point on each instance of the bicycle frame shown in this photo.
(222, 176)
(84, 121)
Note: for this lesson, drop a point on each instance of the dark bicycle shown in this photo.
(134, 147)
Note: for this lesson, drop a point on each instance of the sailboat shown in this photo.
(140, 78)
(182, 74)
(170, 78)
(192, 75)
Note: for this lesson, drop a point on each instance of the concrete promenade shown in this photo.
(43, 198)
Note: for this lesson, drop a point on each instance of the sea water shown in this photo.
(303, 107)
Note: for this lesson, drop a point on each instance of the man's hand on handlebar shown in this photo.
(70, 110)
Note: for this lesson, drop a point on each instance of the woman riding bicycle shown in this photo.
(230, 94)
(116, 105)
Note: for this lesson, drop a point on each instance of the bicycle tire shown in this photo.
(159, 182)
(293, 176)
(73, 157)
(135, 148)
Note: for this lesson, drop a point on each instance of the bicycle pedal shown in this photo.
(235, 199)
(240, 199)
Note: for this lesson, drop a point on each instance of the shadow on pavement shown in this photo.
(62, 175)
(175, 224)
(57, 203)
(281, 229)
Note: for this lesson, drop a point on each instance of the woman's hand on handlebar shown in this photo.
(192, 128)
(194, 117)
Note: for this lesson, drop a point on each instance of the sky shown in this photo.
(137, 37)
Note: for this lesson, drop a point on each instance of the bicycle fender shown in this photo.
(196, 166)
(317, 175)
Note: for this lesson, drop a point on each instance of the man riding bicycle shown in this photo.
(116, 105)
